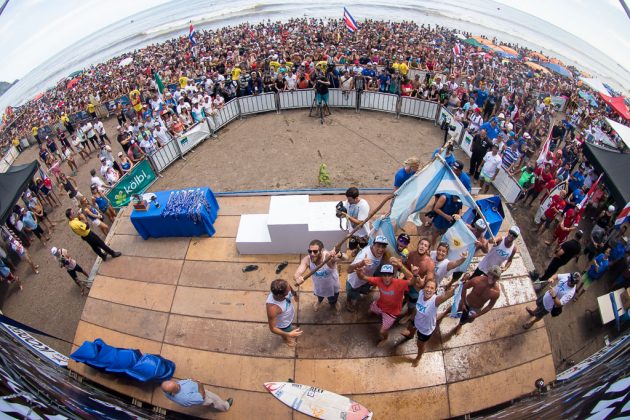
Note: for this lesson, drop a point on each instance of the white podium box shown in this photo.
(292, 222)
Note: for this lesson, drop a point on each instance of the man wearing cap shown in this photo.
(72, 267)
(78, 224)
(479, 229)
(162, 136)
(458, 169)
(492, 128)
(410, 167)
(502, 252)
(391, 293)
(479, 295)
(475, 119)
(280, 311)
(480, 145)
(554, 299)
(326, 279)
(367, 260)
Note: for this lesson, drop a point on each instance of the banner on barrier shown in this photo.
(192, 137)
(37, 346)
(296, 99)
(507, 186)
(135, 181)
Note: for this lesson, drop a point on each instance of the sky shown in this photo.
(34, 30)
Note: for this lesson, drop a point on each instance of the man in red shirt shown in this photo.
(392, 291)
(557, 205)
(543, 176)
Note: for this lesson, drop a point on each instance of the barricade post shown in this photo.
(339, 99)
(296, 99)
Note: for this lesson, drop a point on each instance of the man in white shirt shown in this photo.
(490, 169)
(105, 165)
(162, 136)
(100, 129)
(555, 298)
(358, 211)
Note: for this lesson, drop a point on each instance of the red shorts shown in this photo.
(387, 320)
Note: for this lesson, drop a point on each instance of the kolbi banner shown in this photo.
(135, 182)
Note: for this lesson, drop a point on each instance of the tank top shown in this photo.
(69, 187)
(426, 314)
(496, 256)
(441, 267)
(325, 280)
(284, 318)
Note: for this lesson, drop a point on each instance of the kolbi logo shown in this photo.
(136, 182)
(120, 198)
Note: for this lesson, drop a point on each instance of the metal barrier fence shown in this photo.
(296, 99)
(258, 103)
(377, 101)
(339, 99)
(8, 159)
(165, 155)
(413, 107)
(229, 112)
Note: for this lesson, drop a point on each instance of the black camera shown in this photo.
(446, 124)
(340, 210)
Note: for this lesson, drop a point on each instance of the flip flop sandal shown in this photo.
(281, 266)
(249, 268)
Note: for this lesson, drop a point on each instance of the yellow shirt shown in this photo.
(90, 108)
(34, 130)
(403, 68)
(236, 73)
(183, 82)
(65, 119)
(396, 66)
(16, 142)
(79, 227)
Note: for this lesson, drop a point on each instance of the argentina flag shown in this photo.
(459, 239)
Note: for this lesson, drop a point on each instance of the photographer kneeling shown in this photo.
(355, 209)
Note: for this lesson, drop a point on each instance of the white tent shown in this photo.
(622, 130)
(595, 84)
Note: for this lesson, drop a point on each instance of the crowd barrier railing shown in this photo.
(256, 104)
(413, 107)
(340, 99)
(295, 99)
(8, 159)
(377, 101)
(228, 113)
(165, 155)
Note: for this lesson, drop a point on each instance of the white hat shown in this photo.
(611, 208)
(502, 116)
(515, 230)
(387, 268)
(509, 126)
(380, 239)
(54, 250)
(480, 224)
(527, 136)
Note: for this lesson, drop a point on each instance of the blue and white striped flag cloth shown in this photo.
(460, 239)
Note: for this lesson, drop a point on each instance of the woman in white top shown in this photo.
(426, 316)
(280, 312)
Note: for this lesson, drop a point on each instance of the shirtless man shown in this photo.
(483, 289)
(326, 279)
(426, 269)
(280, 311)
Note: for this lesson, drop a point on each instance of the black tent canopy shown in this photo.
(616, 169)
(12, 184)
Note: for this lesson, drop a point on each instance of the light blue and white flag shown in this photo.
(460, 239)
(417, 191)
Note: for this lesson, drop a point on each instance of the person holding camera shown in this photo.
(554, 299)
(66, 261)
(321, 88)
(355, 209)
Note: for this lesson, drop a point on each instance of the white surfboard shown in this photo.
(547, 201)
(317, 402)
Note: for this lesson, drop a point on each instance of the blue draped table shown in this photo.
(151, 223)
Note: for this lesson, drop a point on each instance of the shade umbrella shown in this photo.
(38, 96)
(125, 62)
(72, 83)
(538, 56)
(473, 42)
(536, 66)
(509, 50)
(75, 74)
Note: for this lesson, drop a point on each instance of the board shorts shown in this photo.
(387, 320)
(540, 310)
(319, 97)
(423, 337)
(288, 328)
(485, 177)
(353, 294)
(412, 295)
(466, 313)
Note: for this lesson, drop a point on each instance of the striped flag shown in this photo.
(544, 151)
(623, 216)
(457, 49)
(192, 34)
(349, 21)
(582, 204)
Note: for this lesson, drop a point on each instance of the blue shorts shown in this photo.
(353, 294)
(319, 97)
(288, 328)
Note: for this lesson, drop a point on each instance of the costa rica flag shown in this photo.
(457, 50)
(192, 34)
(624, 214)
(349, 21)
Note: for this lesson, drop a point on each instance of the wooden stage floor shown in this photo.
(188, 300)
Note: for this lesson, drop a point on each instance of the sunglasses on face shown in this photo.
(313, 251)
